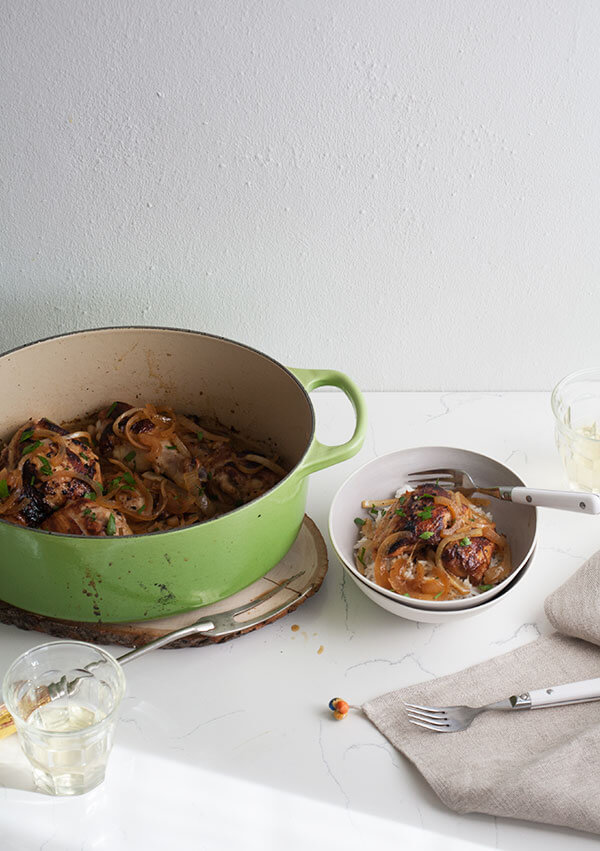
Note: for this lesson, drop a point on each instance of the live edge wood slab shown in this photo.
(308, 556)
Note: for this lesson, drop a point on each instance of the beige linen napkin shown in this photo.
(541, 765)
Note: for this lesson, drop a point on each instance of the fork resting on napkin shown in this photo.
(539, 766)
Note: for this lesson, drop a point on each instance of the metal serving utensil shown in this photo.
(459, 480)
(217, 626)
(452, 719)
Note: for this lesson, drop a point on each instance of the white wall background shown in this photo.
(409, 191)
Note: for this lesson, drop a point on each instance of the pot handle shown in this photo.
(321, 455)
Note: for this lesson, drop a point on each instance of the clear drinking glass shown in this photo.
(576, 408)
(67, 740)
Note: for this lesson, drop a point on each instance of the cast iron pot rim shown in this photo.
(193, 525)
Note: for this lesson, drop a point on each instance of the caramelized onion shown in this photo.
(417, 569)
(266, 462)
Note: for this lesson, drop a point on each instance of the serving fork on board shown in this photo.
(453, 719)
(218, 625)
(460, 480)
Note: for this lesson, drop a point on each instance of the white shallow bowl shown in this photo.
(381, 478)
(411, 613)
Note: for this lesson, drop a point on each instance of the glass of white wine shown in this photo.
(64, 697)
(576, 408)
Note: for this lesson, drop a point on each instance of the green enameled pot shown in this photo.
(163, 573)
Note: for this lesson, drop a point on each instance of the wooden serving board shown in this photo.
(308, 556)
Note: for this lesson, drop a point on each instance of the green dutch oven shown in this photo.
(163, 573)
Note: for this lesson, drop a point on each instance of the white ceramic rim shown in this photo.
(433, 605)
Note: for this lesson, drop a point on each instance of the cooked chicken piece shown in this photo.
(240, 487)
(123, 484)
(84, 517)
(417, 514)
(469, 560)
(44, 488)
(32, 509)
(177, 466)
(106, 438)
(171, 461)
(137, 459)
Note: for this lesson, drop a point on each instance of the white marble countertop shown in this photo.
(233, 746)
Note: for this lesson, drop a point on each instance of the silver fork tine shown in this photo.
(441, 471)
(425, 708)
(431, 727)
(442, 483)
(425, 716)
(432, 478)
(429, 477)
(437, 722)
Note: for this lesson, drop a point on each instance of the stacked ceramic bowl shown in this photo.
(382, 477)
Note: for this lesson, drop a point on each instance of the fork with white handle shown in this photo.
(452, 719)
(459, 480)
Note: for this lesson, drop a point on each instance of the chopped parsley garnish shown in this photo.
(3, 489)
(85, 457)
(26, 435)
(139, 510)
(361, 556)
(373, 510)
(406, 595)
(359, 522)
(426, 496)
(115, 482)
(32, 480)
(111, 409)
(111, 525)
(172, 447)
(89, 513)
(464, 542)
(485, 587)
(426, 514)
(437, 595)
(91, 495)
(45, 466)
(400, 513)
(426, 535)
(31, 447)
(130, 456)
(128, 478)
(402, 500)
(199, 435)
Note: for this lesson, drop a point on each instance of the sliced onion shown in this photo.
(190, 425)
(266, 462)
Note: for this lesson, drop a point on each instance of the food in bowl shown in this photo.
(431, 544)
(128, 469)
